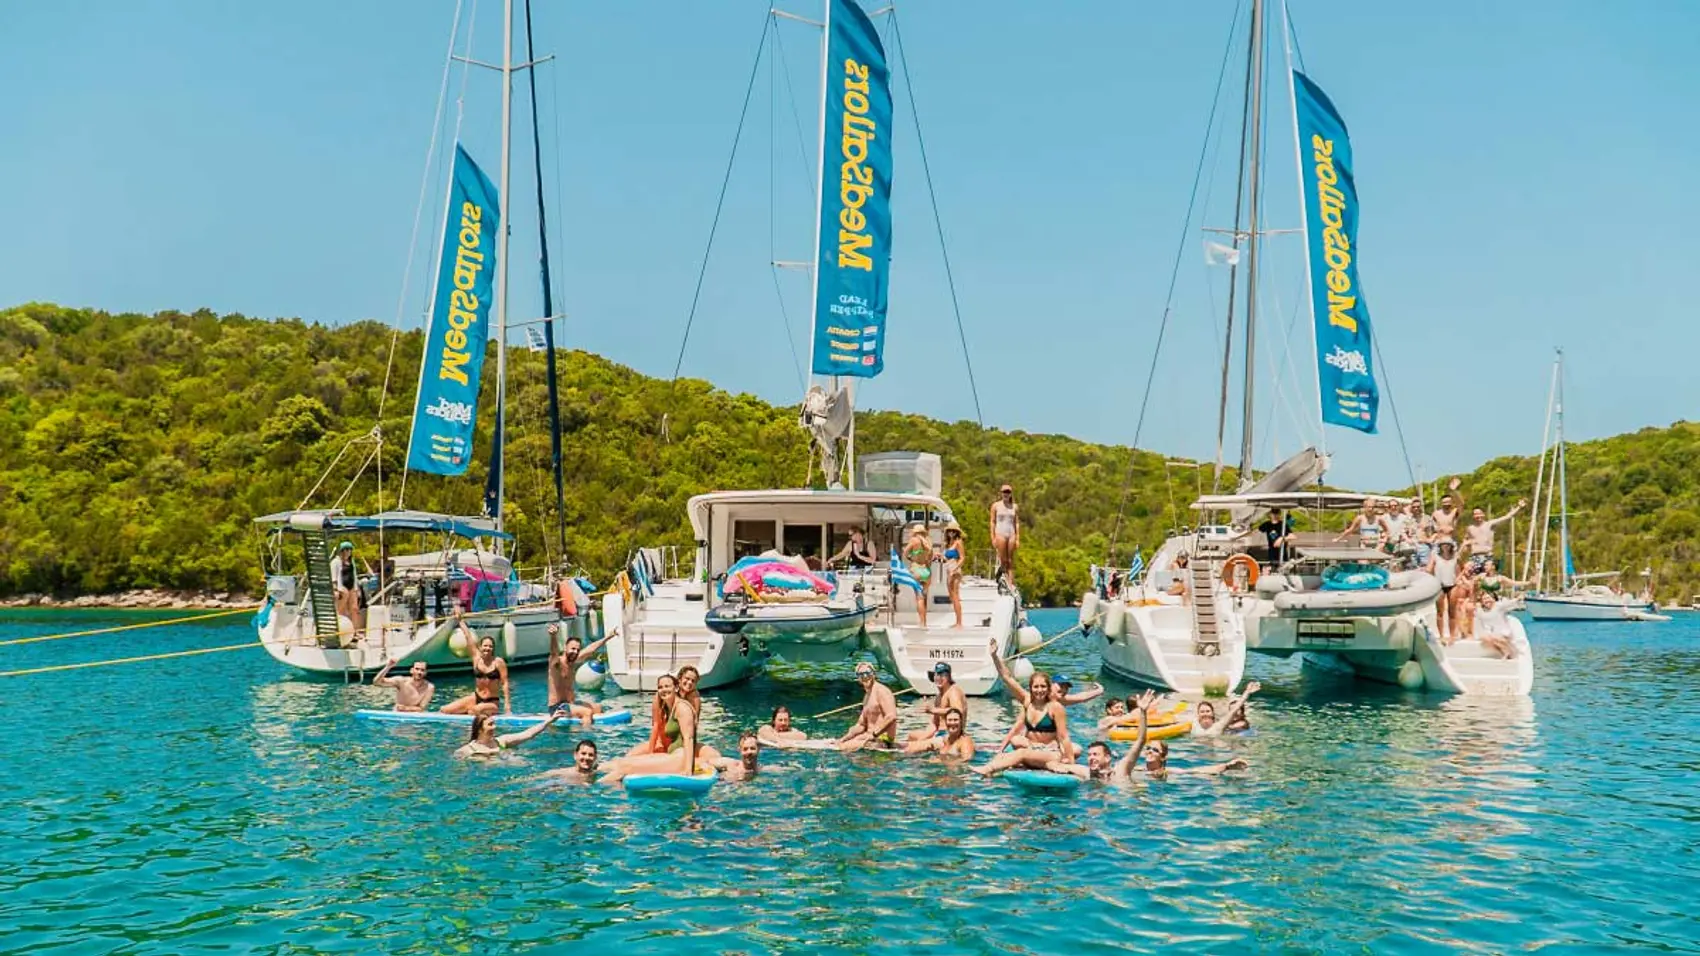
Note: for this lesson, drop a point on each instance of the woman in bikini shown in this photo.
(1443, 564)
(953, 569)
(485, 742)
(1040, 733)
(489, 681)
(918, 556)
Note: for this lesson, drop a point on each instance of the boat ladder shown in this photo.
(320, 588)
(1205, 640)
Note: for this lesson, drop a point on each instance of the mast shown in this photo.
(502, 250)
(1233, 272)
(1540, 479)
(1253, 161)
(1567, 570)
(548, 299)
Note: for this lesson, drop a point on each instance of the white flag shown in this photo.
(1216, 254)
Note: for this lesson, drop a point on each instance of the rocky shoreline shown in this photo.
(146, 598)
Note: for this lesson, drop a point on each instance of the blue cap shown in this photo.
(346, 545)
(941, 668)
(1062, 679)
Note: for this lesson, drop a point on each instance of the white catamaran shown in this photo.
(756, 584)
(1575, 598)
(422, 583)
(1214, 592)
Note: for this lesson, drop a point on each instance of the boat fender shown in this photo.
(1088, 610)
(665, 783)
(510, 639)
(1021, 669)
(591, 675)
(564, 595)
(1115, 619)
(1027, 637)
(1231, 579)
(457, 643)
(1411, 675)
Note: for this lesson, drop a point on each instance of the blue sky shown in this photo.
(1525, 173)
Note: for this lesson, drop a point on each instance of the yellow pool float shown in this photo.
(1160, 732)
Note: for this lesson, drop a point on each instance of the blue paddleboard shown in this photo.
(661, 784)
(504, 721)
(1042, 780)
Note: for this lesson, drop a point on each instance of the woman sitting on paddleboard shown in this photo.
(674, 740)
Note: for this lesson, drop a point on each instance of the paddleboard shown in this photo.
(1042, 780)
(503, 721)
(661, 784)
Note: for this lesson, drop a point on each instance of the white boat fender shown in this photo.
(510, 639)
(1115, 619)
(1411, 675)
(1088, 610)
(1021, 669)
(1027, 637)
(591, 675)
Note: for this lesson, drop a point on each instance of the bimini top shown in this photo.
(334, 519)
(1263, 500)
(778, 499)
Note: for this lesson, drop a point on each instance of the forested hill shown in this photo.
(136, 449)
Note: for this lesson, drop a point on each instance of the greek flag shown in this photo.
(1136, 567)
(900, 575)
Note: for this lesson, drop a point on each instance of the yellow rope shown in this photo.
(1049, 642)
(128, 660)
(128, 627)
(840, 710)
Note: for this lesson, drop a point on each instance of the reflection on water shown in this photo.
(225, 804)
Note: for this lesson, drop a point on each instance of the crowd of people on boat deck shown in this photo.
(1039, 738)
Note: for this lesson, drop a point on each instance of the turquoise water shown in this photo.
(221, 804)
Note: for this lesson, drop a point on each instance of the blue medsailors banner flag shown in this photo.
(854, 258)
(447, 407)
(1344, 362)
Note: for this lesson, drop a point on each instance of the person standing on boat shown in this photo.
(413, 692)
(855, 552)
(490, 690)
(345, 584)
(918, 557)
(1443, 564)
(1368, 526)
(486, 743)
(877, 722)
(1278, 531)
(1423, 546)
(1006, 533)
(1479, 535)
(953, 569)
(563, 674)
(950, 697)
(1446, 516)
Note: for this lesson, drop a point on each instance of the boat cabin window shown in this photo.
(807, 541)
(753, 537)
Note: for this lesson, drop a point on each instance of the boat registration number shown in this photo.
(1325, 633)
(946, 654)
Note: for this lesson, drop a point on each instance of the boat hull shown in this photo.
(521, 636)
(1562, 608)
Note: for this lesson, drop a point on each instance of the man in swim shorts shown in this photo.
(413, 692)
(1446, 516)
(1478, 537)
(563, 675)
(950, 697)
(779, 731)
(747, 764)
(877, 722)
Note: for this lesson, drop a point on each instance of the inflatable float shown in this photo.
(1042, 780)
(505, 721)
(1159, 732)
(662, 784)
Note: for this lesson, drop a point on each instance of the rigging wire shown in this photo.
(938, 223)
(720, 203)
(1168, 303)
(772, 211)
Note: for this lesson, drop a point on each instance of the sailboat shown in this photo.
(730, 604)
(1579, 597)
(1215, 592)
(426, 586)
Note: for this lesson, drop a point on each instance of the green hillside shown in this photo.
(135, 449)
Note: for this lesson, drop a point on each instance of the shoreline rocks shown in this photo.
(145, 598)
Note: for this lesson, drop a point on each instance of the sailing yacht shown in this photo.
(1215, 592)
(706, 611)
(432, 585)
(1579, 597)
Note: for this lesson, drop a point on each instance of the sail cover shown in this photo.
(447, 405)
(1344, 364)
(854, 258)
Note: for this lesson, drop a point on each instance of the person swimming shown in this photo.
(952, 743)
(413, 692)
(778, 732)
(876, 724)
(485, 742)
(583, 769)
(949, 696)
(747, 764)
(490, 690)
